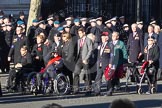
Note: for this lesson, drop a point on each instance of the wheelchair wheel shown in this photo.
(31, 82)
(140, 91)
(153, 90)
(61, 84)
(45, 86)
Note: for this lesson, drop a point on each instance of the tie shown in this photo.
(102, 48)
(114, 42)
(81, 42)
(134, 34)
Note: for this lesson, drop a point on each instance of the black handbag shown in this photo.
(151, 70)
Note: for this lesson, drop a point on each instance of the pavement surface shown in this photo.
(17, 100)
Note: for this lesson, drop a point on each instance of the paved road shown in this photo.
(16, 100)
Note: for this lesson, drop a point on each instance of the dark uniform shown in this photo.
(125, 34)
(135, 46)
(52, 32)
(40, 30)
(101, 27)
(109, 30)
(17, 43)
(102, 62)
(48, 28)
(160, 47)
(30, 36)
(2, 50)
(8, 40)
(96, 31)
(74, 30)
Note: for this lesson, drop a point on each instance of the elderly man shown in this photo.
(102, 60)
(135, 44)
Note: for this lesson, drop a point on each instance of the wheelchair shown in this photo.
(22, 86)
(59, 84)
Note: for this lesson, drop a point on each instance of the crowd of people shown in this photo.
(82, 43)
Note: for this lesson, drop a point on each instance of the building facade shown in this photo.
(14, 6)
(132, 9)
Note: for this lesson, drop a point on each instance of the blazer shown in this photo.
(86, 49)
(105, 56)
(118, 54)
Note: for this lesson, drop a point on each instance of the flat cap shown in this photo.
(108, 21)
(125, 25)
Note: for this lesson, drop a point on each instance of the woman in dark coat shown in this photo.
(152, 54)
(68, 56)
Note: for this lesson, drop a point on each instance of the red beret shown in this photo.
(105, 34)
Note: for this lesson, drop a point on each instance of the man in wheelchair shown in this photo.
(17, 73)
(54, 65)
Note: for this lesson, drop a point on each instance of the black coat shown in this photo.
(26, 60)
(68, 55)
(160, 47)
(38, 51)
(124, 36)
(74, 30)
(96, 31)
(101, 27)
(52, 32)
(30, 36)
(48, 28)
(9, 38)
(153, 54)
(135, 46)
(17, 43)
(40, 30)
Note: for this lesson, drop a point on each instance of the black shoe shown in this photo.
(8, 87)
(14, 88)
(88, 93)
